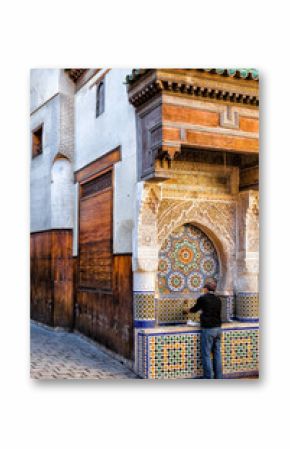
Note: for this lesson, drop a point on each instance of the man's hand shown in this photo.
(185, 311)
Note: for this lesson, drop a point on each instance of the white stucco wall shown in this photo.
(44, 84)
(62, 193)
(96, 136)
(40, 168)
(72, 129)
(52, 96)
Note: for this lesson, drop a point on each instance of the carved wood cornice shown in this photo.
(194, 83)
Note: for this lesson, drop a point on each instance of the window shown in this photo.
(100, 104)
(37, 141)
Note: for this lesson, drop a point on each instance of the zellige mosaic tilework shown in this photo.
(247, 306)
(186, 259)
(176, 355)
(144, 309)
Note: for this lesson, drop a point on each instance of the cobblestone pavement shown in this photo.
(62, 355)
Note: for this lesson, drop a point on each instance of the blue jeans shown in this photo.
(211, 343)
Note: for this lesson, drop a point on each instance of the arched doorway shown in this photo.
(187, 258)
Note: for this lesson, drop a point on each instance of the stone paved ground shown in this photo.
(62, 355)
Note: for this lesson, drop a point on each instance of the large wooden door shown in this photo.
(95, 274)
(52, 277)
(104, 299)
(41, 284)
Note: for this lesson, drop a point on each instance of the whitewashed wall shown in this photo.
(51, 105)
(96, 136)
(62, 192)
(44, 84)
(40, 168)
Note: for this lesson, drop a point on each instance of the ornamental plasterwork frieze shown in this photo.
(248, 224)
(217, 216)
(145, 256)
(252, 224)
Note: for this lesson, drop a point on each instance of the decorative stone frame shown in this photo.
(216, 218)
(155, 221)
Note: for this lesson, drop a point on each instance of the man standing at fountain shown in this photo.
(210, 319)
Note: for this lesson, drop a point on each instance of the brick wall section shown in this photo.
(66, 143)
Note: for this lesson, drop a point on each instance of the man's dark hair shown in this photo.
(211, 285)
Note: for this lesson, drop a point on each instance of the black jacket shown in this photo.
(210, 306)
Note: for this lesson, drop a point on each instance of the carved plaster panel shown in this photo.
(217, 216)
(248, 223)
(145, 257)
(158, 217)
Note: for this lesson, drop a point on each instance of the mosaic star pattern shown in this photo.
(186, 260)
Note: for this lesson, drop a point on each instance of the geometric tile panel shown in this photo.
(247, 306)
(187, 259)
(176, 354)
(240, 351)
(169, 310)
(144, 306)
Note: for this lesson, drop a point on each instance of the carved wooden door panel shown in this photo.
(95, 264)
(41, 278)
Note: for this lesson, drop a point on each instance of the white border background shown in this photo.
(240, 414)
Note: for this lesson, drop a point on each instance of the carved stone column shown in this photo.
(247, 300)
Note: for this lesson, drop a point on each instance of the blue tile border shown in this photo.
(144, 324)
(247, 320)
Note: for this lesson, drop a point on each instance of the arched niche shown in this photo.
(188, 256)
(61, 193)
(217, 221)
(187, 259)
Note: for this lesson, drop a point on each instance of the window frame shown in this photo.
(39, 151)
(100, 102)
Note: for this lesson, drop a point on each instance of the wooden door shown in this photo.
(41, 284)
(95, 271)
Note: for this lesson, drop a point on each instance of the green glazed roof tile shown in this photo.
(237, 73)
(251, 74)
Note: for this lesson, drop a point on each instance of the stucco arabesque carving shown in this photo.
(146, 257)
(218, 217)
(159, 217)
